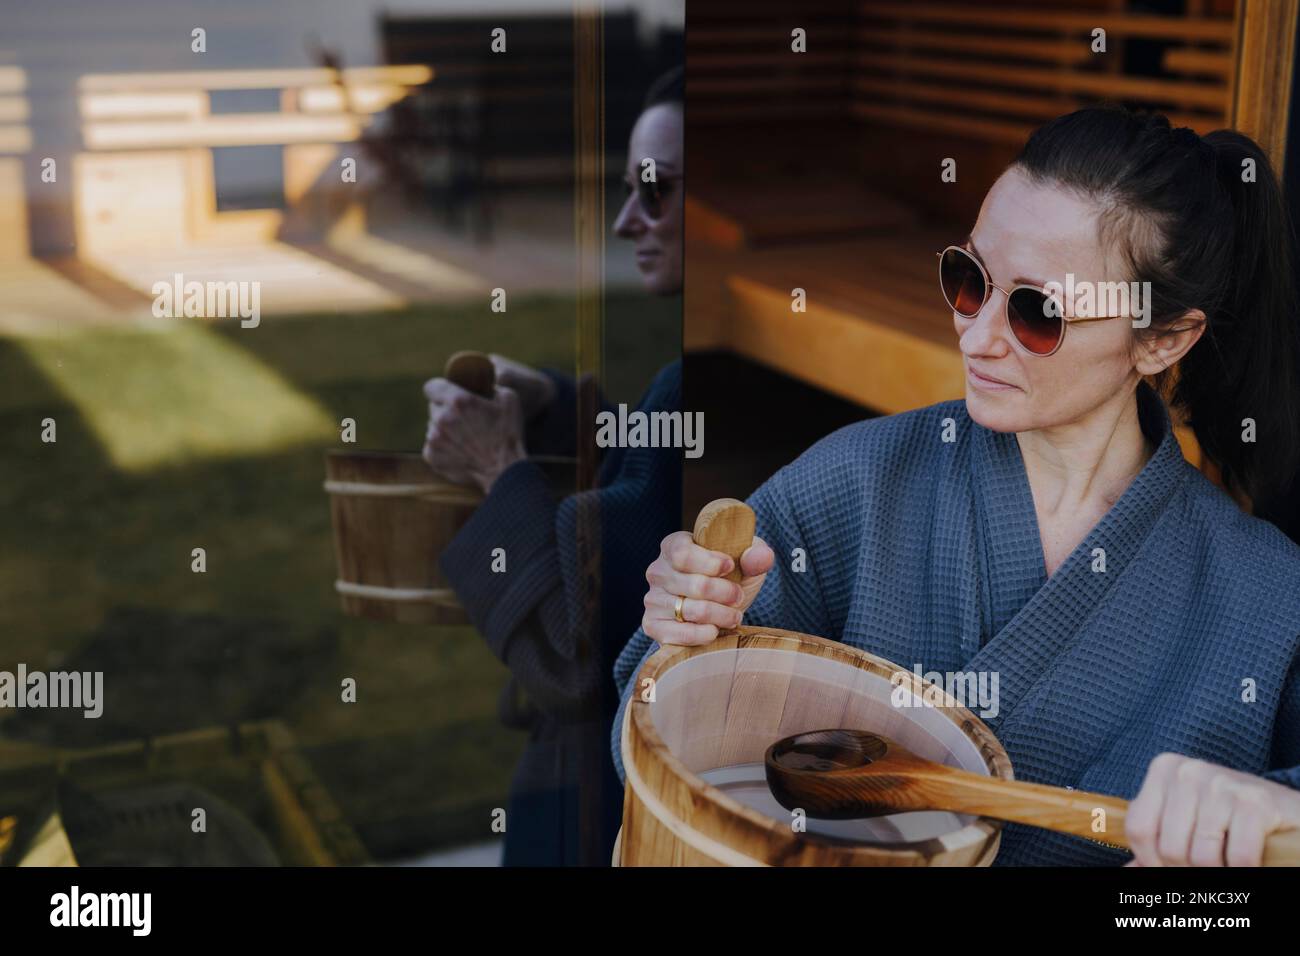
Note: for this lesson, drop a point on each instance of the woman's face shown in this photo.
(658, 136)
(1034, 234)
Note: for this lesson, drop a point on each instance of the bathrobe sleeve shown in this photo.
(800, 512)
(554, 430)
(541, 617)
(1286, 734)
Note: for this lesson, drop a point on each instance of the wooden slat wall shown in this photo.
(972, 81)
(916, 80)
(740, 67)
(926, 81)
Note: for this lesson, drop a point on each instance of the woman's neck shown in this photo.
(1085, 466)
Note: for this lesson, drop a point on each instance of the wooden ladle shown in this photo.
(844, 774)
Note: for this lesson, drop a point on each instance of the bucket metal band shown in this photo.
(425, 491)
(443, 597)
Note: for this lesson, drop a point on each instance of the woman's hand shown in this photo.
(1193, 813)
(685, 569)
(535, 389)
(472, 440)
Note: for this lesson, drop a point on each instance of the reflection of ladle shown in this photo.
(472, 371)
(842, 774)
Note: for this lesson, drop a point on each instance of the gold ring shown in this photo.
(677, 609)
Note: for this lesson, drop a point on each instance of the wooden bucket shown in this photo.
(392, 520)
(701, 719)
(393, 517)
(696, 794)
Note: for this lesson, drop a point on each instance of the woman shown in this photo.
(557, 635)
(1047, 529)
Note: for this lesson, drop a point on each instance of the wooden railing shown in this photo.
(173, 110)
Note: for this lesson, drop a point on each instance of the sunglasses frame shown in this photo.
(629, 190)
(990, 285)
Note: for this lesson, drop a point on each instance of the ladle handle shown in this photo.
(472, 371)
(1282, 848)
(726, 525)
(1052, 808)
(1071, 811)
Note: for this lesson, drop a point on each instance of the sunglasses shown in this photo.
(652, 195)
(1036, 318)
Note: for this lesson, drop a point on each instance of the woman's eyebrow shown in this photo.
(1019, 280)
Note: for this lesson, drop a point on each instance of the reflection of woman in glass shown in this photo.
(1047, 529)
(559, 641)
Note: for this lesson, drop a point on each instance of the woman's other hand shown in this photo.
(711, 602)
(471, 440)
(1193, 813)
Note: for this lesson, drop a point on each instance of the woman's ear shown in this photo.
(1164, 349)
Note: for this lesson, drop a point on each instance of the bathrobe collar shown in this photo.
(1028, 619)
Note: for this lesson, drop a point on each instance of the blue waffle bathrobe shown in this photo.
(557, 636)
(926, 551)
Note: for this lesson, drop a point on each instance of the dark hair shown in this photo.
(669, 87)
(1189, 223)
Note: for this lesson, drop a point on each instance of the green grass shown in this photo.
(214, 436)
(229, 404)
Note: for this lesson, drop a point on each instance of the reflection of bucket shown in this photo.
(392, 519)
(694, 797)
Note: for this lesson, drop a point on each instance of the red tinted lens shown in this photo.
(1035, 320)
(652, 198)
(962, 282)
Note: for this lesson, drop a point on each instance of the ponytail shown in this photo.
(1203, 220)
(1247, 366)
